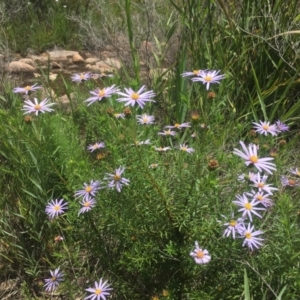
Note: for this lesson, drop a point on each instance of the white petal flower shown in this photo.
(201, 256)
(250, 157)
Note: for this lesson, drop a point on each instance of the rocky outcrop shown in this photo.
(19, 66)
(67, 62)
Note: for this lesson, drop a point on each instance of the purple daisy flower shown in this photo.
(87, 205)
(99, 292)
(116, 180)
(200, 256)
(27, 89)
(89, 190)
(131, 97)
(52, 283)
(56, 207)
(99, 94)
(43, 106)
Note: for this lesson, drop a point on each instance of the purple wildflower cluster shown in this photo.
(265, 128)
(252, 204)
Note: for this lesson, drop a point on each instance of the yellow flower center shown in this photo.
(168, 132)
(88, 189)
(160, 149)
(145, 119)
(200, 254)
(53, 278)
(184, 148)
(248, 206)
(81, 76)
(233, 223)
(248, 235)
(27, 88)
(95, 146)
(135, 96)
(37, 107)
(57, 207)
(208, 78)
(117, 177)
(259, 197)
(253, 159)
(98, 292)
(101, 93)
(266, 127)
(177, 125)
(260, 185)
(87, 204)
(196, 72)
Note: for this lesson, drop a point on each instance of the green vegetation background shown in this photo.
(140, 239)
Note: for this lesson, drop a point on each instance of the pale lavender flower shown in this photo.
(81, 77)
(131, 97)
(248, 208)
(89, 190)
(250, 157)
(52, 283)
(160, 149)
(251, 239)
(193, 73)
(87, 204)
(99, 94)
(100, 291)
(285, 181)
(145, 119)
(56, 207)
(119, 116)
(179, 126)
(185, 148)
(27, 89)
(96, 146)
(208, 77)
(295, 171)
(200, 256)
(260, 197)
(265, 128)
(233, 226)
(260, 183)
(168, 132)
(153, 166)
(281, 127)
(116, 180)
(137, 143)
(242, 177)
(43, 106)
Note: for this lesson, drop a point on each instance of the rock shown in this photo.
(56, 65)
(77, 59)
(28, 61)
(108, 54)
(48, 93)
(64, 102)
(91, 60)
(114, 63)
(52, 76)
(103, 67)
(146, 46)
(18, 66)
(40, 59)
(62, 56)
